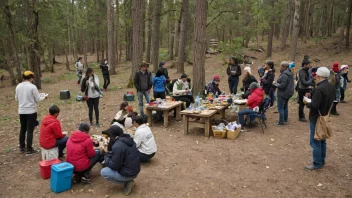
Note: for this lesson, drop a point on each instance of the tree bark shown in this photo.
(342, 30)
(200, 45)
(177, 32)
(271, 33)
(8, 64)
(171, 21)
(285, 24)
(50, 56)
(67, 62)
(150, 22)
(111, 43)
(330, 19)
(295, 32)
(306, 21)
(182, 42)
(85, 51)
(348, 26)
(156, 34)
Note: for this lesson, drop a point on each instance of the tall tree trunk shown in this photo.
(285, 24)
(67, 62)
(348, 26)
(342, 29)
(111, 43)
(177, 31)
(137, 55)
(306, 22)
(182, 43)
(295, 32)
(156, 34)
(330, 19)
(13, 43)
(271, 33)
(200, 45)
(117, 32)
(85, 51)
(102, 49)
(150, 22)
(50, 56)
(8, 64)
(171, 21)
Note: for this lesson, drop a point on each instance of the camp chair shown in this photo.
(263, 106)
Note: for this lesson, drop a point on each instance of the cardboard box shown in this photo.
(233, 134)
(219, 134)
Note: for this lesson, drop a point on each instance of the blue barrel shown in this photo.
(61, 177)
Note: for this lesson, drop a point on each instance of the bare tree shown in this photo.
(183, 38)
(295, 32)
(156, 34)
(110, 35)
(200, 45)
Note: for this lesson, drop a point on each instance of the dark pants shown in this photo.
(93, 103)
(233, 84)
(185, 98)
(282, 107)
(342, 94)
(159, 95)
(106, 81)
(61, 144)
(79, 74)
(272, 96)
(92, 163)
(28, 122)
(144, 157)
(301, 93)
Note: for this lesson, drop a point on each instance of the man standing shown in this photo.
(304, 87)
(322, 99)
(106, 75)
(285, 90)
(27, 96)
(79, 69)
(143, 83)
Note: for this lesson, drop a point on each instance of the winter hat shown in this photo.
(84, 127)
(216, 78)
(248, 69)
(291, 65)
(344, 67)
(253, 85)
(335, 67)
(114, 131)
(161, 63)
(323, 72)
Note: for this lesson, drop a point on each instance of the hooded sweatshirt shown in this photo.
(50, 130)
(124, 157)
(144, 139)
(79, 150)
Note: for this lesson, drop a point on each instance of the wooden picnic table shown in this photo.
(169, 106)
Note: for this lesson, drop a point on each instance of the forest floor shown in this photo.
(253, 165)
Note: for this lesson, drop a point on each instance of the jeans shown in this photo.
(61, 144)
(144, 157)
(115, 176)
(301, 93)
(233, 83)
(242, 113)
(79, 74)
(338, 94)
(92, 163)
(106, 81)
(282, 107)
(161, 95)
(318, 146)
(93, 103)
(28, 122)
(140, 100)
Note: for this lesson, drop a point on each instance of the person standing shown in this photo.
(267, 81)
(79, 69)
(322, 99)
(344, 74)
(159, 82)
(143, 83)
(51, 133)
(285, 89)
(162, 66)
(105, 68)
(90, 86)
(305, 82)
(233, 72)
(337, 83)
(27, 96)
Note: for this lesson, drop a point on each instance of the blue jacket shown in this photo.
(159, 83)
(124, 157)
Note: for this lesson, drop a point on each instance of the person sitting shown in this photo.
(125, 109)
(81, 155)
(248, 78)
(159, 82)
(51, 133)
(181, 91)
(122, 164)
(144, 139)
(124, 123)
(213, 86)
(254, 100)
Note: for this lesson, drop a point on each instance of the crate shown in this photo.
(61, 177)
(218, 134)
(233, 134)
(45, 167)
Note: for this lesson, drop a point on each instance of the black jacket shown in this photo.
(305, 81)
(285, 84)
(322, 98)
(104, 69)
(247, 81)
(268, 81)
(143, 86)
(236, 68)
(124, 157)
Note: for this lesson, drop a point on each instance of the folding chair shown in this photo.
(263, 106)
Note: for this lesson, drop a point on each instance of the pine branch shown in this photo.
(220, 13)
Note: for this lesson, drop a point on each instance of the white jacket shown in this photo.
(28, 97)
(144, 139)
(176, 91)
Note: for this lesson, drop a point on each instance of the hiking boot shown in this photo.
(312, 167)
(302, 120)
(31, 151)
(23, 150)
(128, 187)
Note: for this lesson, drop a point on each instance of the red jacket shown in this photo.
(255, 98)
(79, 149)
(50, 130)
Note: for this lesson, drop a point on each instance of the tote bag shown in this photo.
(323, 128)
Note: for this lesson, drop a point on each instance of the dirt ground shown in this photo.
(253, 165)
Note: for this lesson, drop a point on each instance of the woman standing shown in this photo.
(159, 82)
(106, 75)
(337, 83)
(248, 78)
(344, 74)
(268, 79)
(234, 72)
(79, 69)
(90, 86)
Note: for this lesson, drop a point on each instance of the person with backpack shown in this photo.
(159, 82)
(143, 83)
(321, 101)
(234, 72)
(105, 68)
(304, 86)
(285, 89)
(79, 69)
(337, 83)
(90, 86)
(344, 73)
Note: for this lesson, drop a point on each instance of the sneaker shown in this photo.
(312, 167)
(91, 123)
(244, 129)
(302, 120)
(23, 150)
(97, 125)
(31, 152)
(279, 123)
(342, 101)
(128, 188)
(86, 179)
(76, 179)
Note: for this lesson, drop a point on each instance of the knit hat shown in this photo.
(344, 67)
(323, 72)
(84, 127)
(28, 73)
(253, 85)
(291, 65)
(161, 63)
(216, 78)
(184, 76)
(335, 67)
(248, 69)
(114, 131)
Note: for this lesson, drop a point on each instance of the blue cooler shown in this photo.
(61, 177)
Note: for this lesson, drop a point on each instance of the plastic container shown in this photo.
(45, 167)
(61, 177)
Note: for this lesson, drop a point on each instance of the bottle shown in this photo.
(197, 102)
